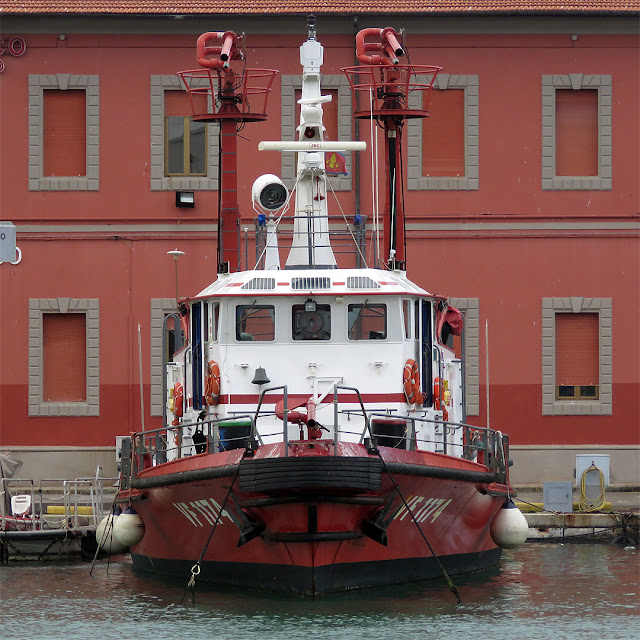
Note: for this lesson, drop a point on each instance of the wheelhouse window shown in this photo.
(311, 321)
(255, 323)
(367, 321)
(406, 318)
(212, 321)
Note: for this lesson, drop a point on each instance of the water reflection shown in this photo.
(541, 591)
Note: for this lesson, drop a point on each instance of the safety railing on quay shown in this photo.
(81, 501)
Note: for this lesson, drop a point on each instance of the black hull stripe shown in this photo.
(196, 475)
(465, 475)
(396, 468)
(310, 582)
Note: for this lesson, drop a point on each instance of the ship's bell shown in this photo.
(260, 377)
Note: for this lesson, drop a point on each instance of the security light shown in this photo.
(185, 199)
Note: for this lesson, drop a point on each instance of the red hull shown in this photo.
(314, 522)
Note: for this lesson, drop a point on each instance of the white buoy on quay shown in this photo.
(105, 536)
(129, 527)
(509, 529)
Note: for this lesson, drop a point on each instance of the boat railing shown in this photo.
(54, 502)
(147, 449)
(480, 444)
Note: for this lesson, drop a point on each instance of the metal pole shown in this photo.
(141, 386)
(486, 349)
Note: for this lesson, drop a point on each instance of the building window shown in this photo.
(336, 119)
(184, 154)
(576, 356)
(64, 145)
(64, 135)
(443, 135)
(64, 357)
(576, 132)
(443, 149)
(185, 140)
(160, 308)
(467, 347)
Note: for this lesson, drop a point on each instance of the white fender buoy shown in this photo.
(128, 528)
(105, 537)
(509, 529)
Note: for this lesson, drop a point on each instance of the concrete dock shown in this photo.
(619, 520)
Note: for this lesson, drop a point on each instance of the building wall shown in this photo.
(505, 241)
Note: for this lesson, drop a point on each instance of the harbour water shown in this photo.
(540, 592)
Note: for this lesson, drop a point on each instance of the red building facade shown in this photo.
(522, 201)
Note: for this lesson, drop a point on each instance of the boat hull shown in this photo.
(316, 522)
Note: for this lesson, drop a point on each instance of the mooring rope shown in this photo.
(195, 570)
(452, 587)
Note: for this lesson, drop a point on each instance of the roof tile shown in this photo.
(247, 7)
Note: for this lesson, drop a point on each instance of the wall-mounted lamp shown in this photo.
(185, 199)
(309, 305)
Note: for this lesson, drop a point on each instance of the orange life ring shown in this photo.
(212, 384)
(411, 382)
(178, 403)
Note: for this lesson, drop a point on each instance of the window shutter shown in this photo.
(577, 349)
(64, 133)
(177, 103)
(64, 345)
(443, 135)
(576, 132)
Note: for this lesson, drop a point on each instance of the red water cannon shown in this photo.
(215, 49)
(387, 43)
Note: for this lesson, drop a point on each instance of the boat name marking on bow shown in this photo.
(423, 508)
(198, 510)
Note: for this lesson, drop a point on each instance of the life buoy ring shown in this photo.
(178, 403)
(411, 382)
(436, 394)
(212, 384)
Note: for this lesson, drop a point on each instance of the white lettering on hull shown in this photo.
(423, 508)
(201, 512)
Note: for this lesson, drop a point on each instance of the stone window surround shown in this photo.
(470, 181)
(160, 307)
(289, 117)
(551, 307)
(471, 335)
(576, 81)
(91, 308)
(62, 82)
(160, 182)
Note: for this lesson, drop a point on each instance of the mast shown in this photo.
(227, 90)
(386, 85)
(311, 248)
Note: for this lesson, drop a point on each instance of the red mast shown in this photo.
(233, 98)
(384, 85)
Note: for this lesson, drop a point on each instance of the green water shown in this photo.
(541, 591)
